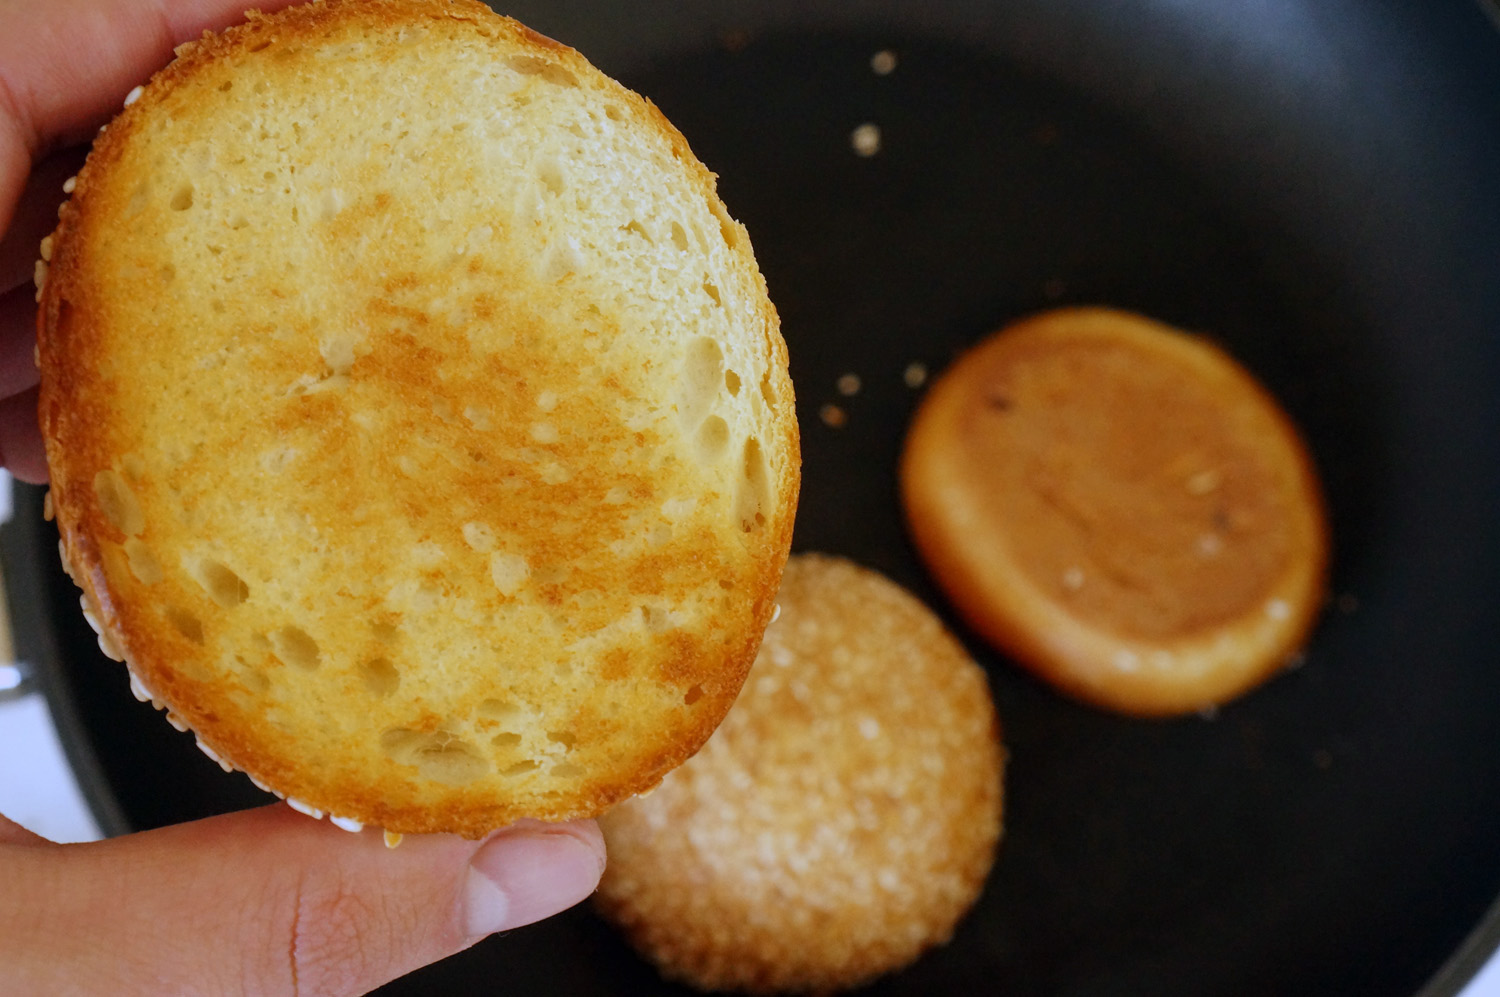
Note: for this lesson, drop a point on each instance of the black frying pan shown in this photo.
(1312, 182)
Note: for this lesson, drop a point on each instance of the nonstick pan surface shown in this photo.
(1313, 184)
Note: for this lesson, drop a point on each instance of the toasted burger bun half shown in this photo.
(419, 426)
(1121, 507)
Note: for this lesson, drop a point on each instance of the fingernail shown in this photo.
(524, 875)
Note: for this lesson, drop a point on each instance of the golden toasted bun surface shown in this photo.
(419, 426)
(840, 821)
(1120, 506)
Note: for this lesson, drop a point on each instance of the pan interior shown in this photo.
(1332, 832)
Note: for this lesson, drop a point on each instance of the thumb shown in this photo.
(271, 902)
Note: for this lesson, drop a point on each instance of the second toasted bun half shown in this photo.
(1121, 507)
(419, 426)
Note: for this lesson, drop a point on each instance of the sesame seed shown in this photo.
(1204, 482)
(304, 808)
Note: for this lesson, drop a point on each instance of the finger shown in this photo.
(35, 216)
(12, 833)
(66, 65)
(21, 450)
(271, 902)
(18, 341)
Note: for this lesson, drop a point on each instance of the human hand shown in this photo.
(269, 901)
(266, 901)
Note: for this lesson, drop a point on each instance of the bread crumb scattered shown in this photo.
(883, 63)
(915, 375)
(865, 140)
(849, 385)
(833, 417)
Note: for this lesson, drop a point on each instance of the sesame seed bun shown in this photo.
(1121, 507)
(419, 426)
(840, 822)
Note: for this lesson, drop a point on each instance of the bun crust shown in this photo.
(419, 426)
(1121, 507)
(842, 819)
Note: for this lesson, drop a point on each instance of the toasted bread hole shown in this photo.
(679, 237)
(226, 86)
(636, 227)
(380, 676)
(520, 768)
(712, 439)
(754, 490)
(253, 678)
(713, 292)
(185, 623)
(479, 536)
(700, 379)
(550, 173)
(509, 572)
(565, 738)
(505, 739)
(143, 563)
(693, 695)
(182, 197)
(613, 113)
(118, 503)
(438, 755)
(567, 770)
(498, 709)
(655, 618)
(384, 631)
(221, 583)
(551, 72)
(732, 383)
(766, 391)
(260, 46)
(727, 584)
(296, 647)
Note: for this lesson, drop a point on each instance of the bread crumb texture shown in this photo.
(418, 421)
(1122, 507)
(842, 819)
